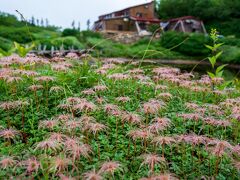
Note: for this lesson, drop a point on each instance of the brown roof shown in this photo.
(127, 8)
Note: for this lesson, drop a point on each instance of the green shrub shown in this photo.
(187, 44)
(231, 54)
(5, 44)
(84, 35)
(70, 32)
(19, 35)
(231, 41)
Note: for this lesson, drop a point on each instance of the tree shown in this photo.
(47, 22)
(70, 32)
(73, 24)
(37, 21)
(33, 20)
(88, 24)
(79, 26)
(42, 22)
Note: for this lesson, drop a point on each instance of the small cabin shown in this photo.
(133, 19)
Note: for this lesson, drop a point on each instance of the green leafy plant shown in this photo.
(21, 50)
(216, 71)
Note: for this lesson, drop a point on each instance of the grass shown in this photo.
(69, 118)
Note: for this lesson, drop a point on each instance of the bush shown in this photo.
(84, 35)
(231, 54)
(5, 44)
(19, 35)
(70, 32)
(188, 44)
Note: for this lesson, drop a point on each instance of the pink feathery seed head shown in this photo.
(13, 79)
(212, 107)
(108, 66)
(213, 122)
(236, 149)
(8, 105)
(165, 96)
(64, 117)
(92, 175)
(63, 177)
(110, 107)
(140, 134)
(48, 124)
(57, 59)
(151, 160)
(59, 68)
(73, 125)
(155, 128)
(219, 147)
(162, 177)
(88, 92)
(31, 165)
(99, 88)
(162, 140)
(199, 89)
(77, 151)
(136, 71)
(100, 100)
(218, 92)
(161, 87)
(195, 139)
(200, 110)
(85, 106)
(110, 167)
(87, 119)
(45, 78)
(166, 70)
(59, 137)
(35, 87)
(131, 118)
(141, 78)
(237, 165)
(186, 76)
(119, 76)
(64, 106)
(48, 145)
(236, 110)
(9, 134)
(7, 162)
(153, 106)
(101, 71)
(59, 164)
(123, 99)
(75, 100)
(191, 106)
(163, 121)
(217, 80)
(56, 89)
(71, 142)
(95, 127)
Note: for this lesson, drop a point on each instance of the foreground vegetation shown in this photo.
(65, 118)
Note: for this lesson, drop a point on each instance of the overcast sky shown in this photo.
(63, 12)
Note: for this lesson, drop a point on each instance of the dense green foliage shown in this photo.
(221, 14)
